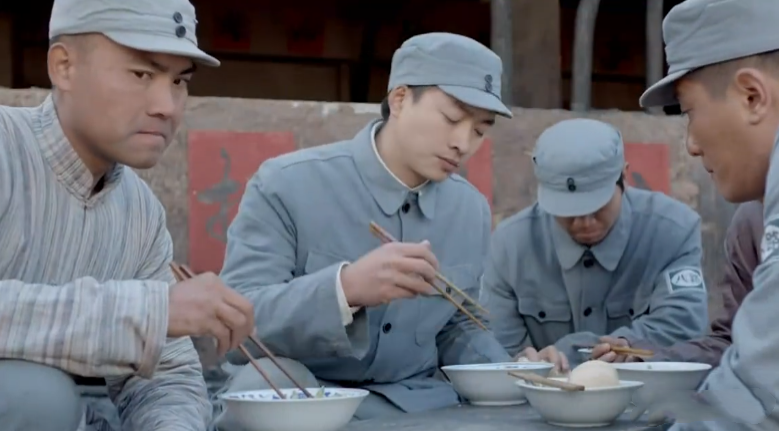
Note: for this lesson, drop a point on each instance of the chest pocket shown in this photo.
(435, 311)
(623, 310)
(546, 322)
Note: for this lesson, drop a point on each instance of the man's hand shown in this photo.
(548, 354)
(393, 271)
(203, 305)
(603, 351)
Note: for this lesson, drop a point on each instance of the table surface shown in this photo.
(469, 418)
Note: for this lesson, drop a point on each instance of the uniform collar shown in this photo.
(608, 252)
(68, 167)
(389, 192)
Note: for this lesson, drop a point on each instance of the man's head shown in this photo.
(724, 74)
(120, 73)
(579, 165)
(444, 94)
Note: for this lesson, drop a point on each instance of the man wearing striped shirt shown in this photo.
(85, 286)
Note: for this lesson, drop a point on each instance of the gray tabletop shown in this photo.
(469, 418)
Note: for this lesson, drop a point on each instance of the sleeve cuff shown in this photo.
(347, 313)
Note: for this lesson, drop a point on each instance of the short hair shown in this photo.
(416, 93)
(717, 77)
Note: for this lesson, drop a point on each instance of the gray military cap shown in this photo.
(460, 66)
(577, 164)
(159, 26)
(700, 33)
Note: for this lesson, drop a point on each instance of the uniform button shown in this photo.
(448, 290)
(178, 18)
(588, 262)
(405, 208)
(181, 31)
(587, 311)
(630, 311)
(542, 314)
(387, 327)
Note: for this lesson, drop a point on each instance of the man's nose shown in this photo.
(162, 101)
(692, 147)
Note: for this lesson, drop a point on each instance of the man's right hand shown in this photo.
(393, 271)
(203, 305)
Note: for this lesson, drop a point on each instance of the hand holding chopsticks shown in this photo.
(429, 279)
(203, 305)
(183, 274)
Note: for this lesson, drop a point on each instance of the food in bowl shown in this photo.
(594, 374)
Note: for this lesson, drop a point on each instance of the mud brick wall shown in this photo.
(201, 177)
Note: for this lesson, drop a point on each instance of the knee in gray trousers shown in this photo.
(37, 397)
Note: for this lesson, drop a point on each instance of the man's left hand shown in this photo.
(604, 352)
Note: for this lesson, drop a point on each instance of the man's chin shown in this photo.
(142, 163)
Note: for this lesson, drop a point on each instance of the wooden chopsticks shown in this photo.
(535, 378)
(385, 237)
(182, 272)
(641, 353)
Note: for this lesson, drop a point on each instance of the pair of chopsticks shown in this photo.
(641, 353)
(386, 237)
(182, 272)
(535, 378)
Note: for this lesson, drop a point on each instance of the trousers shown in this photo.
(38, 397)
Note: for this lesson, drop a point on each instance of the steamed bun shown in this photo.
(594, 374)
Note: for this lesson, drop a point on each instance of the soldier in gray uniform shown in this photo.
(593, 256)
(327, 293)
(724, 72)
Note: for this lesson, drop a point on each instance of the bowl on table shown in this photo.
(592, 407)
(490, 384)
(662, 379)
(330, 409)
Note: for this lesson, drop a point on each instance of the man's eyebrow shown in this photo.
(164, 69)
(468, 109)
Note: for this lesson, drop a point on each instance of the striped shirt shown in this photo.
(84, 278)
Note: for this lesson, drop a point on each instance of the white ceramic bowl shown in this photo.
(490, 384)
(662, 378)
(594, 407)
(265, 411)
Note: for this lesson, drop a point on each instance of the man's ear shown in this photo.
(395, 99)
(60, 61)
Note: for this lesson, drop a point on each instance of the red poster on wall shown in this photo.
(220, 165)
(478, 170)
(649, 166)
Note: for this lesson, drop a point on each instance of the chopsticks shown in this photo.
(641, 353)
(182, 272)
(535, 378)
(385, 237)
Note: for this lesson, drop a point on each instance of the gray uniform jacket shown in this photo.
(305, 213)
(643, 281)
(744, 389)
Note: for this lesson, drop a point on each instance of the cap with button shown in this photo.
(700, 33)
(158, 26)
(460, 66)
(577, 164)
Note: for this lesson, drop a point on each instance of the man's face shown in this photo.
(437, 133)
(593, 228)
(125, 105)
(733, 134)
